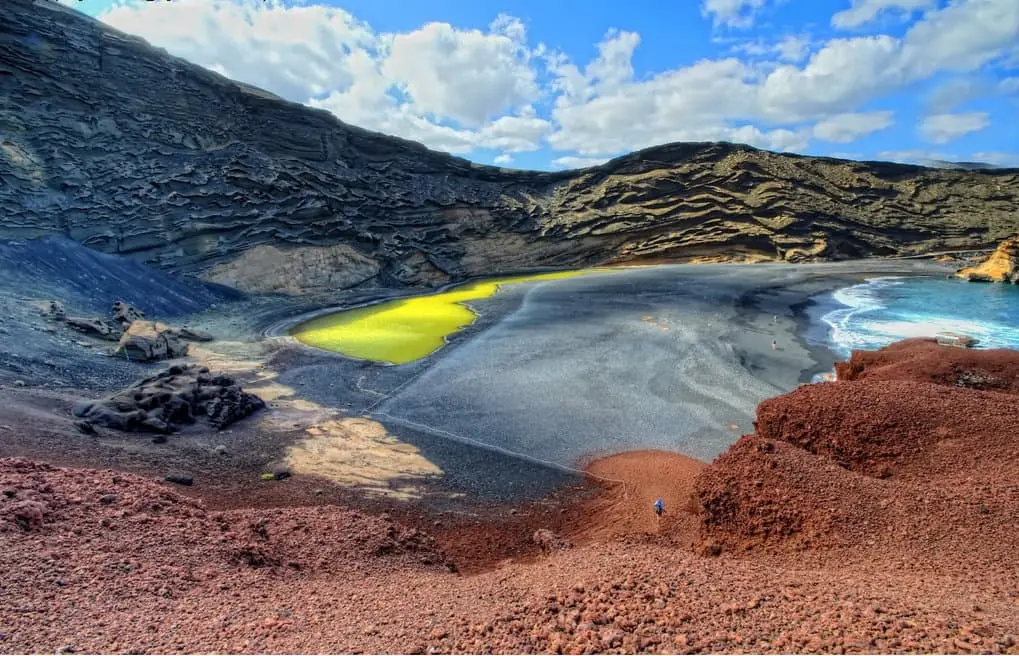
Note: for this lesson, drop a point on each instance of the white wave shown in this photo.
(859, 301)
(866, 322)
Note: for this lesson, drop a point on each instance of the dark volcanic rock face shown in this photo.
(119, 146)
(170, 399)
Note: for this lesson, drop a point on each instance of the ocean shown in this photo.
(885, 310)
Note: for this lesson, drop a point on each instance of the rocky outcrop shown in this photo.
(101, 328)
(140, 153)
(149, 340)
(175, 397)
(125, 314)
(267, 268)
(1001, 266)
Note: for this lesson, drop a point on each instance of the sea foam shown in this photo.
(881, 311)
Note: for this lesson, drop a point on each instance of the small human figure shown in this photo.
(659, 507)
(774, 345)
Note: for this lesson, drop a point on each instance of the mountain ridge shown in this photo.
(126, 149)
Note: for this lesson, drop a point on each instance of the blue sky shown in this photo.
(552, 84)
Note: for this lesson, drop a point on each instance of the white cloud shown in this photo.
(503, 159)
(912, 156)
(732, 13)
(724, 98)
(940, 159)
(840, 154)
(862, 12)
(459, 90)
(513, 133)
(465, 74)
(942, 128)
(296, 52)
(997, 158)
(845, 73)
(845, 128)
(463, 89)
(842, 75)
(791, 48)
(962, 37)
(572, 162)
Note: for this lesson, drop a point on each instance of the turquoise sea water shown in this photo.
(885, 310)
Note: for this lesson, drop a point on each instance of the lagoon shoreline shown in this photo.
(689, 381)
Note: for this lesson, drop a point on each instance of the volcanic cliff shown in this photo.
(126, 149)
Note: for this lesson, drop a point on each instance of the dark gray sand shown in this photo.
(672, 357)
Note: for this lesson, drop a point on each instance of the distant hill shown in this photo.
(121, 147)
(964, 166)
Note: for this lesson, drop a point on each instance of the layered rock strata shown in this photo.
(126, 149)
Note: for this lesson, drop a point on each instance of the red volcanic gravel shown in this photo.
(870, 515)
(923, 360)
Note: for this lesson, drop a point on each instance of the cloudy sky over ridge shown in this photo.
(553, 84)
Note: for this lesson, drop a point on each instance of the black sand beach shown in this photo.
(553, 373)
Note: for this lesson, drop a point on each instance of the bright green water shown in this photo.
(405, 330)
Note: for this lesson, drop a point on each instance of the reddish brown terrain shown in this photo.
(873, 514)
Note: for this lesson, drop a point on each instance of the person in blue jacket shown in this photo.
(659, 507)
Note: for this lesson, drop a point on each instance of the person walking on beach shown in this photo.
(659, 508)
(774, 344)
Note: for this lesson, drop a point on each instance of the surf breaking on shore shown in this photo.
(871, 514)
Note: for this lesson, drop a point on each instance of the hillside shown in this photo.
(126, 149)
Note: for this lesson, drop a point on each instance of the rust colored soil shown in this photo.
(631, 482)
(874, 514)
(922, 359)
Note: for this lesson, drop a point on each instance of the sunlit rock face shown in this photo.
(1001, 266)
(126, 149)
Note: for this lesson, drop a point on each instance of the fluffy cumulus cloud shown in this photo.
(942, 128)
(296, 52)
(468, 75)
(494, 90)
(845, 128)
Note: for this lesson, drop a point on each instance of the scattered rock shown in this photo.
(54, 310)
(19, 383)
(279, 470)
(193, 334)
(148, 340)
(85, 427)
(126, 314)
(162, 403)
(220, 449)
(100, 328)
(180, 479)
(548, 541)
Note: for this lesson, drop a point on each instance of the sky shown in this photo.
(551, 84)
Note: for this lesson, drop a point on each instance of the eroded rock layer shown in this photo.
(126, 149)
(1001, 266)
